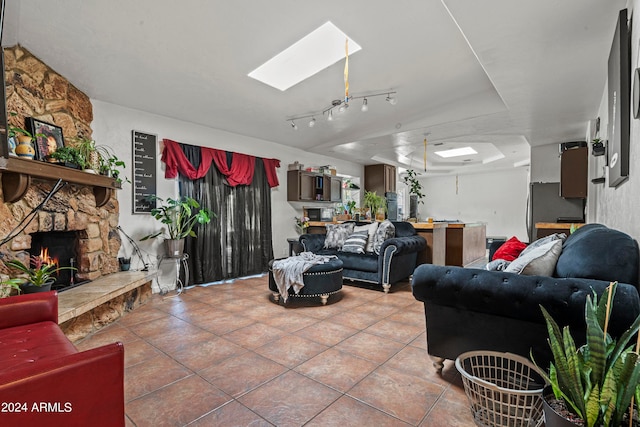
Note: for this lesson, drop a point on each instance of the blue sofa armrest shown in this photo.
(312, 242)
(404, 245)
(519, 296)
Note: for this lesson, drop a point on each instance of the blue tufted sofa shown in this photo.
(472, 309)
(397, 259)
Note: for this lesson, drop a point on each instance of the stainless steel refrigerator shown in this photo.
(546, 205)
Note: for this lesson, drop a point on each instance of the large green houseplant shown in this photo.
(179, 216)
(597, 381)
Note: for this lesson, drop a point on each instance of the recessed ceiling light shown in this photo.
(313, 53)
(454, 152)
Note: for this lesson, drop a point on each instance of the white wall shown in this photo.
(497, 198)
(618, 207)
(112, 125)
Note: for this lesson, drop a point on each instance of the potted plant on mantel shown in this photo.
(595, 384)
(415, 192)
(180, 216)
(40, 274)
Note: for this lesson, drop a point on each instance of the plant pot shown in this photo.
(174, 248)
(380, 214)
(30, 288)
(597, 149)
(413, 206)
(551, 417)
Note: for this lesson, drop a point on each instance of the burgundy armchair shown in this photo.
(45, 380)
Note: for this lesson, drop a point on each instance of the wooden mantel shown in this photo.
(17, 173)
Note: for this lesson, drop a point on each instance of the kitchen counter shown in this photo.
(544, 229)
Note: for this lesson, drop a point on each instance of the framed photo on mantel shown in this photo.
(48, 138)
(144, 171)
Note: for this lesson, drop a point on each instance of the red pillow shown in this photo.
(509, 250)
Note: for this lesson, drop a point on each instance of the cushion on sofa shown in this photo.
(337, 234)
(356, 242)
(371, 230)
(361, 262)
(540, 261)
(509, 249)
(386, 230)
(543, 241)
(597, 252)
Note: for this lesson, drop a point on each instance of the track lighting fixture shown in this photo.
(342, 105)
(390, 99)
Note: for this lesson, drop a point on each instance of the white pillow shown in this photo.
(541, 261)
(371, 230)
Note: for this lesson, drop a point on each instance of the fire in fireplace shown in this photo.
(61, 248)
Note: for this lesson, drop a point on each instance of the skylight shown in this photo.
(455, 152)
(313, 53)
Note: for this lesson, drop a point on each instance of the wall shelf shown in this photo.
(17, 174)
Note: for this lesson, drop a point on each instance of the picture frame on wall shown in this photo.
(619, 97)
(48, 138)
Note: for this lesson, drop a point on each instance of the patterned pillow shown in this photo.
(337, 234)
(386, 230)
(371, 230)
(356, 242)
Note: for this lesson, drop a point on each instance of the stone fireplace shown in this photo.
(71, 213)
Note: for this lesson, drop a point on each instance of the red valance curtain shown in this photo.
(240, 172)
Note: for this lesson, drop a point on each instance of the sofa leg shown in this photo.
(386, 287)
(438, 363)
(276, 296)
(324, 298)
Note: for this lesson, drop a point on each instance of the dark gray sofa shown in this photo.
(472, 309)
(397, 259)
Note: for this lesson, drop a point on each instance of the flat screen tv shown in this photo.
(619, 100)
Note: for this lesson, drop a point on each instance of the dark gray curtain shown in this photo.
(238, 242)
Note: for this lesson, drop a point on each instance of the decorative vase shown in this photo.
(30, 288)
(413, 206)
(380, 214)
(174, 248)
(24, 148)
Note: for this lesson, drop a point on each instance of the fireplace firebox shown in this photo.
(61, 247)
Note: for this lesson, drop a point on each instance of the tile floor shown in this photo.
(225, 355)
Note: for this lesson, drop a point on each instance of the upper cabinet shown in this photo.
(305, 186)
(380, 178)
(574, 173)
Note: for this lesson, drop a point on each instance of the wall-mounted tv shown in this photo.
(619, 100)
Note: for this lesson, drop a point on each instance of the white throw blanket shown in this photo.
(288, 272)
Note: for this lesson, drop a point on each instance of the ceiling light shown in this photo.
(294, 126)
(313, 53)
(463, 151)
(342, 106)
(391, 100)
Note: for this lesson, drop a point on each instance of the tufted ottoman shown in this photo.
(321, 280)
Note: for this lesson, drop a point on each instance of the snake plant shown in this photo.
(598, 380)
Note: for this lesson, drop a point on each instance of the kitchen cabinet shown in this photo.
(574, 173)
(380, 178)
(303, 186)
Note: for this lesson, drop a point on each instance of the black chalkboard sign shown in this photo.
(144, 171)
